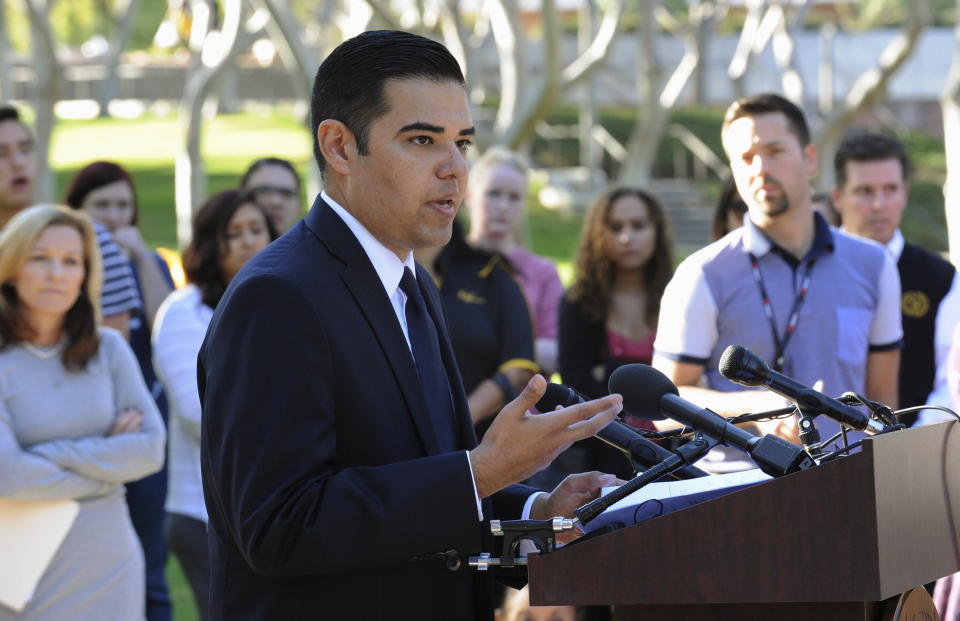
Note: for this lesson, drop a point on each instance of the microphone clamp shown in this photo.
(511, 533)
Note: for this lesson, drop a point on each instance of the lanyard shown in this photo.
(779, 344)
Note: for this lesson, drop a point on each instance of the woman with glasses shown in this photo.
(275, 186)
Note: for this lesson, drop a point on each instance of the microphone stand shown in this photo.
(809, 436)
(542, 533)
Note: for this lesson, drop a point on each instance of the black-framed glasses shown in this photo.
(262, 192)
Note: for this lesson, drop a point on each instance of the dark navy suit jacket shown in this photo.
(322, 477)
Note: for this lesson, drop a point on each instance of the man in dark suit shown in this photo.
(873, 184)
(340, 470)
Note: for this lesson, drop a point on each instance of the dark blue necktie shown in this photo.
(426, 354)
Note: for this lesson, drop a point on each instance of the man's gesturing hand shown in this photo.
(519, 443)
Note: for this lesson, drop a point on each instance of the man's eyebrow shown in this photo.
(421, 126)
(434, 129)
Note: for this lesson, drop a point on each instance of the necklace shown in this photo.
(44, 353)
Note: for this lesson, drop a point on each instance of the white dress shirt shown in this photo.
(389, 268)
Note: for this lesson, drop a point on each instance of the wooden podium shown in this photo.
(827, 543)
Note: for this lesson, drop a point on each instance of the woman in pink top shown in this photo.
(496, 197)
(609, 315)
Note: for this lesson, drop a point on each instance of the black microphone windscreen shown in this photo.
(556, 394)
(641, 386)
(732, 360)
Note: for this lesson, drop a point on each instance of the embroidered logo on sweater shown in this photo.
(915, 304)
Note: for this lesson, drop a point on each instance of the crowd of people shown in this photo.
(103, 400)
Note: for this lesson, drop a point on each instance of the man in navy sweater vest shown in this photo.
(873, 184)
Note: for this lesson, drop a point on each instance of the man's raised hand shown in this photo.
(520, 443)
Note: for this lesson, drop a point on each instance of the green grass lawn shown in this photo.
(184, 608)
(148, 147)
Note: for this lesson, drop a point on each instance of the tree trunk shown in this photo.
(589, 153)
(109, 87)
(950, 103)
(46, 92)
(517, 116)
(6, 80)
(785, 48)
(656, 103)
(296, 57)
(300, 63)
(826, 69)
(747, 46)
(868, 90)
(217, 52)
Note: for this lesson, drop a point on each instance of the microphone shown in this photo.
(647, 392)
(740, 365)
(617, 434)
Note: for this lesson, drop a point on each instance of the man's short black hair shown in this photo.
(9, 113)
(350, 82)
(769, 103)
(870, 147)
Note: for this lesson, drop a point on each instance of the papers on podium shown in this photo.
(656, 499)
(30, 534)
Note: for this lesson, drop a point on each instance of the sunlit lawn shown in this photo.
(148, 148)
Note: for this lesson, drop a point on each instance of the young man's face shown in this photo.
(872, 200)
(770, 167)
(18, 166)
(408, 187)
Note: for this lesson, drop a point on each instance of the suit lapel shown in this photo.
(361, 279)
(465, 433)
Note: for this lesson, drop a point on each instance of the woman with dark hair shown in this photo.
(105, 192)
(490, 324)
(229, 230)
(609, 316)
(275, 186)
(76, 419)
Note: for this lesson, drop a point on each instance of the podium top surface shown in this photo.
(862, 528)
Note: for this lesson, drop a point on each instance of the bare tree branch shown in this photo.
(6, 80)
(47, 89)
(870, 87)
(950, 104)
(119, 39)
(217, 51)
(383, 13)
(598, 50)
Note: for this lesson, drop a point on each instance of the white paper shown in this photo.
(30, 534)
(670, 489)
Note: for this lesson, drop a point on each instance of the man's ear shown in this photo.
(337, 145)
(810, 152)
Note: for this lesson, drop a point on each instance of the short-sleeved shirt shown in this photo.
(120, 292)
(852, 308)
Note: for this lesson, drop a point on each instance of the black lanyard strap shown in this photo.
(780, 345)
